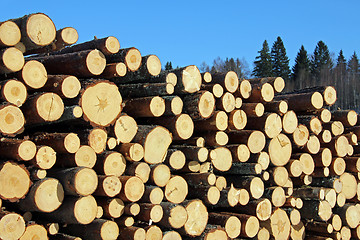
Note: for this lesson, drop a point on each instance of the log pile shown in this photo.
(97, 142)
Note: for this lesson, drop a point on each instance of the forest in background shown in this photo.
(319, 68)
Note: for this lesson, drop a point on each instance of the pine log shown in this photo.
(337, 166)
(36, 173)
(132, 233)
(34, 231)
(222, 160)
(237, 120)
(255, 140)
(317, 210)
(226, 103)
(215, 89)
(95, 138)
(193, 153)
(200, 179)
(303, 102)
(155, 140)
(325, 136)
(150, 212)
(132, 152)
(349, 185)
(276, 195)
(60, 142)
(12, 225)
(13, 91)
(166, 76)
(77, 181)
(279, 149)
(132, 209)
(277, 82)
(101, 103)
(63, 236)
(262, 158)
(209, 195)
(114, 70)
(197, 218)
(215, 139)
(86, 63)
(339, 146)
(181, 126)
(17, 149)
(152, 194)
(110, 163)
(294, 168)
(130, 56)
(12, 120)
(199, 105)
(11, 175)
(108, 45)
(37, 30)
(253, 109)
(261, 208)
(175, 159)
(278, 224)
(111, 143)
(278, 176)
(254, 185)
(44, 107)
(261, 93)
(66, 86)
(336, 127)
(228, 80)
(279, 107)
(108, 186)
(221, 182)
(173, 105)
(217, 122)
(240, 168)
(33, 74)
(11, 60)
(239, 152)
(45, 195)
(132, 190)
(160, 175)
(176, 189)
(85, 156)
(301, 135)
(10, 34)
(269, 123)
(99, 229)
(125, 128)
(153, 232)
(294, 215)
(112, 207)
(289, 122)
(150, 66)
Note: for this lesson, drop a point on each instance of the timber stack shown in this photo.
(97, 142)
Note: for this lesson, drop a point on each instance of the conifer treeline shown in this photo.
(309, 70)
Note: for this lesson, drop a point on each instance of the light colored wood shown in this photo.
(77, 181)
(130, 56)
(221, 182)
(349, 185)
(110, 163)
(255, 140)
(197, 218)
(279, 150)
(160, 175)
(301, 135)
(173, 105)
(176, 189)
(63, 236)
(239, 152)
(34, 231)
(60, 142)
(231, 224)
(261, 93)
(269, 123)
(276, 195)
(316, 209)
(175, 216)
(132, 233)
(152, 194)
(155, 140)
(303, 102)
(132, 152)
(223, 159)
(139, 169)
(207, 77)
(132, 209)
(11, 174)
(33, 74)
(10, 34)
(199, 105)
(133, 188)
(17, 149)
(279, 107)
(217, 122)
(289, 122)
(12, 120)
(96, 138)
(229, 80)
(125, 128)
(237, 120)
(125, 221)
(14, 92)
(85, 156)
(253, 109)
(101, 103)
(279, 176)
(108, 186)
(12, 226)
(114, 70)
(145, 107)
(226, 103)
(347, 117)
(175, 159)
(112, 207)
(245, 89)
(171, 235)
(188, 79)
(278, 224)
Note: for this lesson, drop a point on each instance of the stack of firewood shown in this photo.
(98, 143)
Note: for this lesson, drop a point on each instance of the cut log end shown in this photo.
(191, 79)
(14, 92)
(12, 60)
(133, 59)
(40, 29)
(176, 189)
(12, 226)
(11, 175)
(34, 74)
(10, 34)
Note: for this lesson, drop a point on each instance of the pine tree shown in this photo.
(301, 69)
(279, 60)
(340, 68)
(321, 63)
(353, 66)
(168, 66)
(263, 62)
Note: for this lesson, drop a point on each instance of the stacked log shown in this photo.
(98, 143)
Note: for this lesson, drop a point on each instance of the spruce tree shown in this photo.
(263, 62)
(321, 62)
(353, 66)
(168, 66)
(301, 69)
(340, 68)
(279, 60)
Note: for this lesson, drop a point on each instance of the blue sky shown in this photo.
(190, 32)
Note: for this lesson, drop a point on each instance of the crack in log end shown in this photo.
(102, 104)
(51, 106)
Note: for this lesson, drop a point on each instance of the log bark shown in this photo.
(99, 229)
(279, 107)
(60, 142)
(114, 70)
(17, 149)
(152, 194)
(66, 86)
(112, 207)
(132, 233)
(110, 163)
(253, 109)
(317, 210)
(85, 156)
(254, 140)
(150, 212)
(261, 93)
(193, 153)
(239, 152)
(173, 105)
(231, 224)
(199, 105)
(229, 80)
(78, 181)
(95, 138)
(209, 195)
(140, 90)
(133, 152)
(303, 102)
(217, 122)
(215, 89)
(269, 123)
